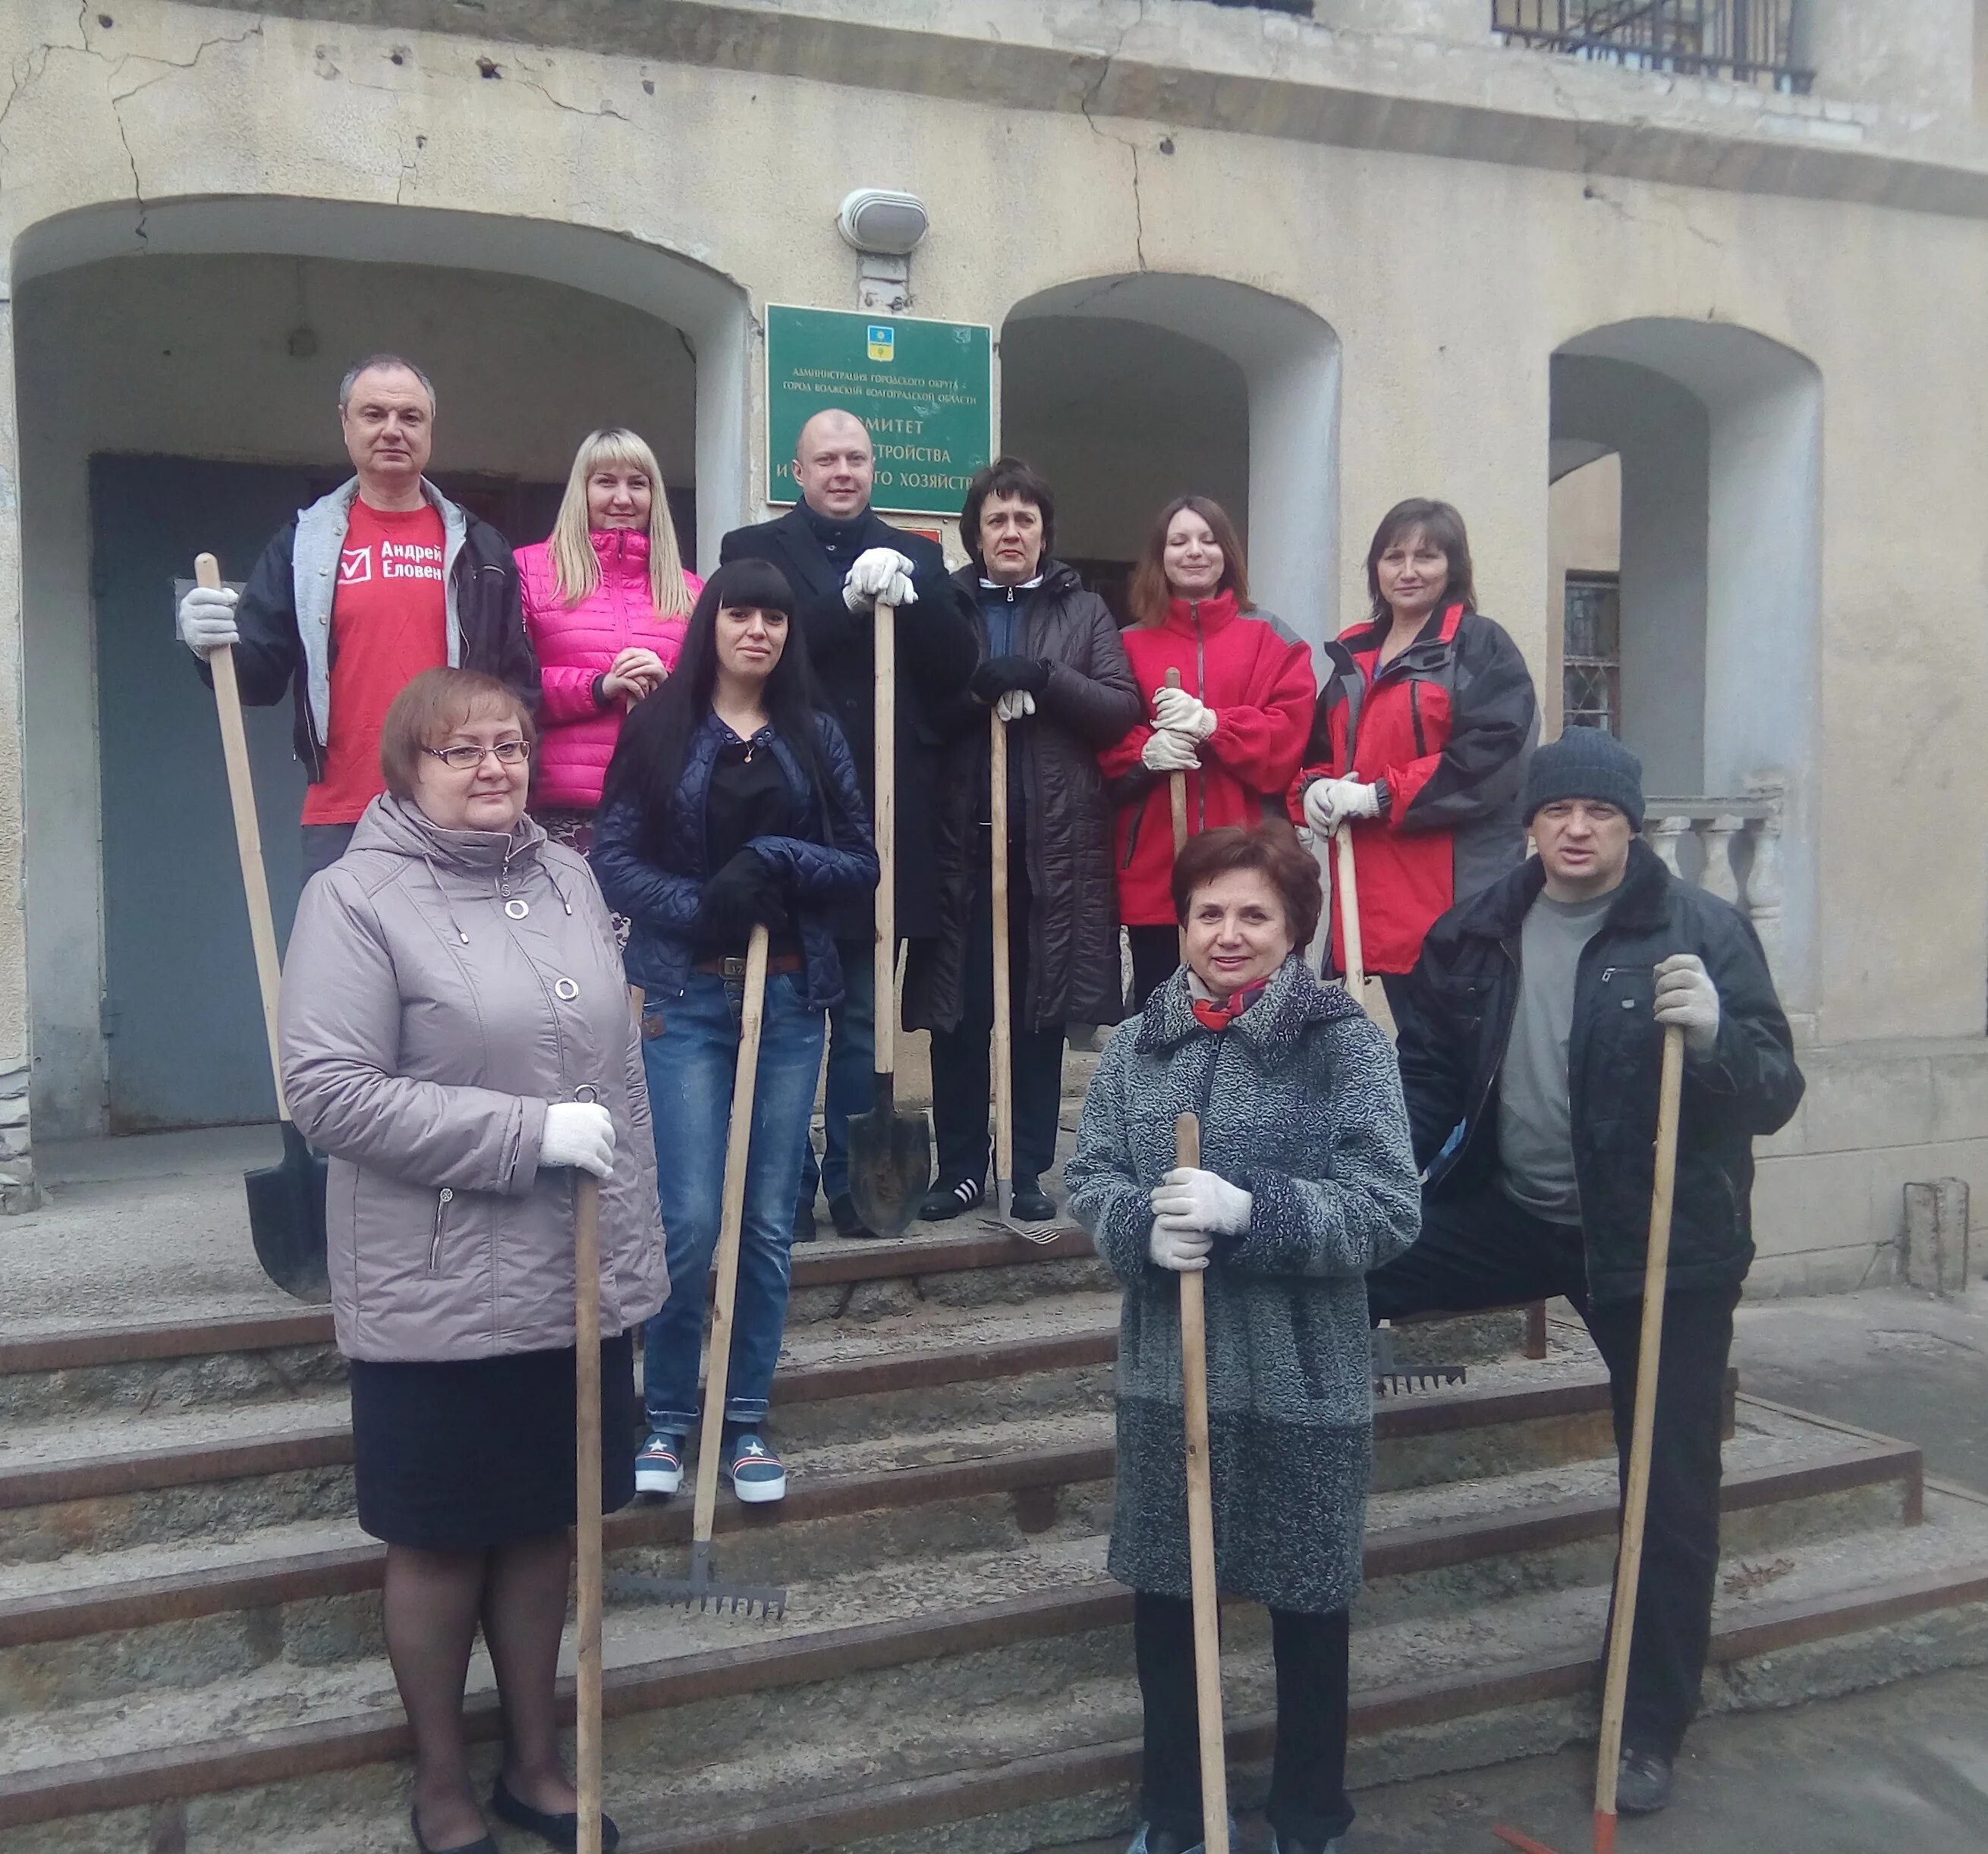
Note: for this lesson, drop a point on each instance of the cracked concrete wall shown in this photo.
(1453, 212)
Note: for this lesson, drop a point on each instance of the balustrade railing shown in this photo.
(1729, 847)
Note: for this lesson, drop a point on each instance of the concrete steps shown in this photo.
(190, 1660)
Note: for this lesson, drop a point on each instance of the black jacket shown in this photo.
(1455, 1020)
(936, 653)
(1065, 824)
(489, 633)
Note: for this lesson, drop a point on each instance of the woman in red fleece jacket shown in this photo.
(1236, 726)
(606, 598)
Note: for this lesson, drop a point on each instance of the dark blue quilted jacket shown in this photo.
(823, 863)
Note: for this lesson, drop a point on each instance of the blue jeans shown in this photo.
(852, 1070)
(691, 1067)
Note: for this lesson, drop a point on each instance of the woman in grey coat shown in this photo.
(1307, 1182)
(456, 1037)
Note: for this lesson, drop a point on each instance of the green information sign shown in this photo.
(924, 388)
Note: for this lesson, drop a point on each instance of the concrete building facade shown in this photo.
(1310, 265)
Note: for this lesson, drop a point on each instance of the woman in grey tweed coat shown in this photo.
(1307, 1181)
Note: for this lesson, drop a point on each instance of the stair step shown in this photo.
(56, 1365)
(1548, 1529)
(973, 1673)
(185, 1616)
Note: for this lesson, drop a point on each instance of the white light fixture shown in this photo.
(875, 219)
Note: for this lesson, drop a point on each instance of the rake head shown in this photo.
(1420, 1377)
(702, 1590)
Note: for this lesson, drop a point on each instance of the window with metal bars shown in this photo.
(1750, 42)
(1590, 673)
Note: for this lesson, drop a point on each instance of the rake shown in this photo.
(703, 1589)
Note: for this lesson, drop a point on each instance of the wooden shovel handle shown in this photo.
(1636, 1494)
(587, 1529)
(885, 826)
(1177, 787)
(1346, 889)
(731, 1218)
(248, 831)
(1004, 1002)
(1200, 1530)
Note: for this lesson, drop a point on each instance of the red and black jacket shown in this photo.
(1446, 728)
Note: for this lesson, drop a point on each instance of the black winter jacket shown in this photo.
(1455, 1020)
(284, 615)
(1091, 700)
(936, 653)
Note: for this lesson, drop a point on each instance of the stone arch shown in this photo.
(1719, 430)
(95, 257)
(1268, 376)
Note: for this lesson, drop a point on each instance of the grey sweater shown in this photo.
(1300, 1104)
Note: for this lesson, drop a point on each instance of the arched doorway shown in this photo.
(1129, 389)
(1718, 434)
(184, 400)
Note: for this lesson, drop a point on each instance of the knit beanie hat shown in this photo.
(1585, 763)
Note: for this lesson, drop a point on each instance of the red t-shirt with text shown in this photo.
(389, 621)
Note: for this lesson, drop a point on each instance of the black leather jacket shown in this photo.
(1456, 1018)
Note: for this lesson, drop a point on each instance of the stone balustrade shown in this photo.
(1731, 847)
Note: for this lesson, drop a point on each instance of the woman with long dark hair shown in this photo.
(1235, 726)
(1419, 742)
(732, 802)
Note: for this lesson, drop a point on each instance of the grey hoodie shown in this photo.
(441, 987)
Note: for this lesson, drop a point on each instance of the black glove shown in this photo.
(999, 674)
(743, 894)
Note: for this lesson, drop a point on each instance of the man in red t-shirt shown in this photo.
(371, 584)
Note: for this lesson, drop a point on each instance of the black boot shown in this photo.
(1031, 1203)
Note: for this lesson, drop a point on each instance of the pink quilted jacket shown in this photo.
(574, 644)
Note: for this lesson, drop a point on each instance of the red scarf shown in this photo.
(1212, 1014)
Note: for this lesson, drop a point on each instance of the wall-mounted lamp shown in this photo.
(884, 228)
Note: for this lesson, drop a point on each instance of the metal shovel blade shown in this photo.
(890, 1162)
(286, 1219)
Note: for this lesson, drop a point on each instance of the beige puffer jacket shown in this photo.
(441, 988)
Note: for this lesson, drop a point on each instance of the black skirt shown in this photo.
(465, 1456)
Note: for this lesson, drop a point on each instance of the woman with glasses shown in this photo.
(605, 598)
(456, 1036)
(732, 803)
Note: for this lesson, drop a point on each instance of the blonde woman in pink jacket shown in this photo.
(606, 597)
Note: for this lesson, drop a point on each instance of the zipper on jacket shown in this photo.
(1415, 715)
(443, 1199)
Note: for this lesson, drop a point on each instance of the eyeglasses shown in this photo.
(464, 759)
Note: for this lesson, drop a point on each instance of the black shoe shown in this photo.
(486, 1845)
(1031, 1203)
(560, 1832)
(842, 1212)
(1642, 1783)
(804, 1230)
(953, 1200)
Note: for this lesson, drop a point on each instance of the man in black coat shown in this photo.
(841, 558)
(1530, 1043)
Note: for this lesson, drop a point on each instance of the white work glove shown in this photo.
(1183, 713)
(580, 1133)
(1328, 803)
(1687, 997)
(206, 618)
(879, 573)
(1166, 751)
(1012, 704)
(1191, 1199)
(1175, 1246)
